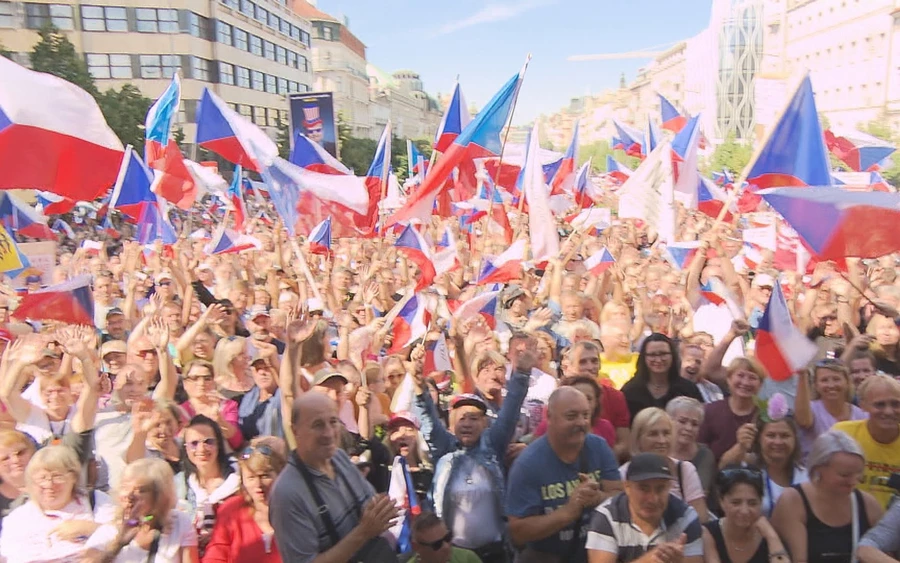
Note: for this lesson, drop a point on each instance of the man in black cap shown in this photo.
(645, 523)
(116, 326)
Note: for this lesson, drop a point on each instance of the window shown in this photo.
(242, 76)
(189, 108)
(269, 50)
(6, 14)
(327, 33)
(304, 38)
(293, 86)
(246, 111)
(247, 7)
(159, 66)
(292, 59)
(256, 45)
(295, 33)
(39, 15)
(273, 117)
(262, 14)
(223, 33)
(282, 86)
(256, 80)
(274, 21)
(198, 26)
(156, 20)
(286, 28)
(100, 18)
(233, 4)
(240, 39)
(259, 115)
(200, 69)
(302, 63)
(280, 54)
(226, 73)
(270, 84)
(109, 66)
(304, 88)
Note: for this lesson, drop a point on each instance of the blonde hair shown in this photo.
(53, 458)
(749, 364)
(13, 438)
(863, 390)
(159, 476)
(259, 462)
(227, 350)
(485, 359)
(643, 421)
(835, 367)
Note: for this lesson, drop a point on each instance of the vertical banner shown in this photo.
(313, 115)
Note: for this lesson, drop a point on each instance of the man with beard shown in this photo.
(557, 480)
(645, 523)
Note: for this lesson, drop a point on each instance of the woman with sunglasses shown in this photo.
(242, 533)
(816, 410)
(743, 534)
(209, 477)
(204, 398)
(823, 520)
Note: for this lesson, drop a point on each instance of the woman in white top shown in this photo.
(56, 521)
(652, 430)
(148, 528)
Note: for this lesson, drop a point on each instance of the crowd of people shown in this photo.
(239, 408)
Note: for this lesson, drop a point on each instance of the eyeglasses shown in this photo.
(145, 353)
(203, 378)
(194, 444)
(250, 450)
(53, 478)
(659, 354)
(437, 544)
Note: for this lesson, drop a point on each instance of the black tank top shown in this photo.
(827, 544)
(761, 555)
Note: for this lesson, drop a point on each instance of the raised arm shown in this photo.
(81, 343)
(17, 357)
(158, 335)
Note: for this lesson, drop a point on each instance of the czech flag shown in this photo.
(378, 176)
(231, 135)
(53, 136)
(711, 200)
(418, 164)
(437, 356)
(235, 197)
(410, 324)
(483, 304)
(631, 140)
(69, 302)
(403, 492)
(173, 179)
(158, 124)
(131, 193)
(877, 183)
(49, 203)
(320, 238)
(583, 186)
(652, 134)
(479, 139)
(455, 120)
(21, 220)
(153, 225)
(60, 226)
(617, 171)
(416, 249)
(599, 262)
(680, 254)
(672, 120)
(564, 178)
(230, 242)
(780, 346)
(860, 151)
(836, 224)
(794, 154)
(505, 267)
(310, 155)
(716, 292)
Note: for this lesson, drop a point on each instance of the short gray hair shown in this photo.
(682, 403)
(827, 445)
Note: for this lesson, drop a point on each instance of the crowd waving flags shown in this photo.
(246, 325)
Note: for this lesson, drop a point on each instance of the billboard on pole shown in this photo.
(312, 114)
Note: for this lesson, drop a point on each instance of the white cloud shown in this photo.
(493, 12)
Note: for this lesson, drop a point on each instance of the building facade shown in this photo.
(252, 53)
(740, 47)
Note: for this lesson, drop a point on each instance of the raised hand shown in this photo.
(157, 333)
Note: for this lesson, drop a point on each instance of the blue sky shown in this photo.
(486, 42)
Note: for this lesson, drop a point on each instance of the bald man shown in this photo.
(315, 503)
(559, 479)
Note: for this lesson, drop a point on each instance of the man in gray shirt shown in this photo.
(347, 516)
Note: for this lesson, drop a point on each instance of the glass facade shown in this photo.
(740, 52)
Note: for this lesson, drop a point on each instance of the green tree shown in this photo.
(125, 110)
(4, 52)
(356, 153)
(178, 137)
(56, 55)
(283, 139)
(881, 128)
(731, 155)
(344, 131)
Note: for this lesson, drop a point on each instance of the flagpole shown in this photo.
(385, 178)
(304, 265)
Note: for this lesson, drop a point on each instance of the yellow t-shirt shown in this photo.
(618, 372)
(881, 459)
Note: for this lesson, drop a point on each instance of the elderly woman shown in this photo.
(687, 416)
(148, 528)
(488, 373)
(832, 391)
(209, 478)
(777, 452)
(242, 533)
(203, 398)
(743, 535)
(651, 432)
(823, 520)
(58, 518)
(231, 365)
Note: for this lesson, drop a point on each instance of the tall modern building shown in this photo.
(740, 49)
(252, 53)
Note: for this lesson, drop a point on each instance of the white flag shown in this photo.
(541, 224)
(648, 193)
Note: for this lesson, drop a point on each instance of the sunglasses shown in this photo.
(436, 545)
(726, 476)
(261, 449)
(194, 444)
(145, 353)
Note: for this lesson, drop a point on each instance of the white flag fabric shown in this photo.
(649, 194)
(541, 223)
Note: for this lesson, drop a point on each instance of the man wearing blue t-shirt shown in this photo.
(557, 480)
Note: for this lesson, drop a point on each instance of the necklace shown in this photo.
(733, 545)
